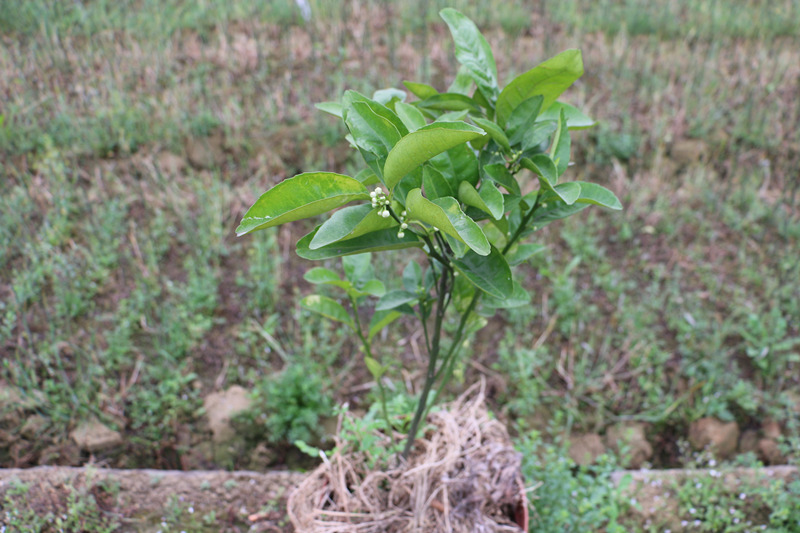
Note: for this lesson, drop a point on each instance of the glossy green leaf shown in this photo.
(537, 135)
(419, 146)
(494, 131)
(381, 319)
(449, 102)
(358, 267)
(351, 97)
(489, 273)
(332, 108)
(520, 253)
(576, 119)
(549, 79)
(302, 196)
(396, 298)
(373, 287)
(446, 215)
(319, 275)
(384, 96)
(462, 82)
(473, 51)
(434, 184)
(367, 177)
(498, 173)
(547, 172)
(350, 222)
(420, 90)
(375, 368)
(371, 131)
(555, 211)
(519, 297)
(488, 199)
(559, 152)
(327, 307)
(452, 116)
(412, 276)
(592, 193)
(375, 241)
(522, 118)
(457, 164)
(411, 116)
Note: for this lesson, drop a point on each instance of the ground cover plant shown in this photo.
(130, 149)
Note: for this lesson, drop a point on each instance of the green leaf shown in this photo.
(350, 97)
(411, 116)
(367, 177)
(446, 215)
(576, 119)
(396, 298)
(462, 82)
(412, 276)
(350, 222)
(520, 253)
(495, 132)
(332, 108)
(537, 134)
(449, 102)
(519, 297)
(548, 79)
(452, 116)
(592, 193)
(522, 118)
(305, 195)
(419, 146)
(371, 131)
(457, 164)
(434, 184)
(375, 241)
(327, 307)
(375, 368)
(500, 174)
(488, 199)
(357, 267)
(473, 51)
(544, 167)
(373, 287)
(384, 96)
(561, 145)
(420, 90)
(381, 319)
(490, 274)
(556, 211)
(319, 275)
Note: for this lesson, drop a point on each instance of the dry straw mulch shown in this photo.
(462, 476)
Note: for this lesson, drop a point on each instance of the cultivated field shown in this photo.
(134, 134)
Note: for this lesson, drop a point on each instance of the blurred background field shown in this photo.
(134, 134)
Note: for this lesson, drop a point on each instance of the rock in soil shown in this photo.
(221, 407)
(585, 449)
(719, 437)
(93, 436)
(630, 437)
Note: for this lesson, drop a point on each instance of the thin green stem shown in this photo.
(368, 352)
(433, 356)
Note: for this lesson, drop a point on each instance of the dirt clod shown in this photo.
(221, 407)
(719, 437)
(585, 449)
(632, 438)
(93, 436)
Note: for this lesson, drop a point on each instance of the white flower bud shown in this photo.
(385, 213)
(403, 226)
(400, 235)
(403, 214)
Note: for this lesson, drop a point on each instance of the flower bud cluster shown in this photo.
(403, 224)
(379, 200)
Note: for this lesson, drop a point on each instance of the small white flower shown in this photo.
(400, 235)
(403, 226)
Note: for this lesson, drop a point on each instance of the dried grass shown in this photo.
(463, 476)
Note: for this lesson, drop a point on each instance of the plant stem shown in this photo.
(433, 355)
(368, 352)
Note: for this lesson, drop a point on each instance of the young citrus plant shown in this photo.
(450, 174)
